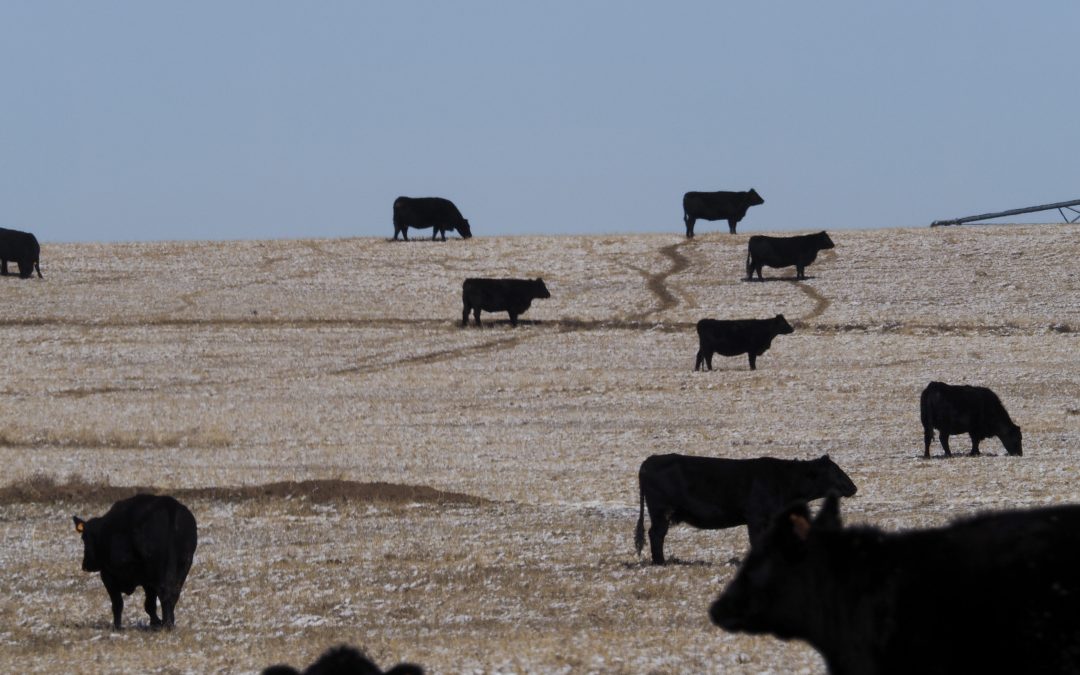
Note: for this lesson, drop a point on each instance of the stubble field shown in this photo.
(363, 470)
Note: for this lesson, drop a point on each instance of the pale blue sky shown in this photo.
(241, 120)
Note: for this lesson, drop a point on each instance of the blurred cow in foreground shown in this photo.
(996, 593)
(147, 541)
(712, 493)
(958, 409)
(345, 660)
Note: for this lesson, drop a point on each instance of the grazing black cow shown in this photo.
(731, 337)
(799, 251)
(147, 541)
(712, 494)
(345, 660)
(513, 296)
(995, 593)
(21, 248)
(729, 206)
(423, 212)
(958, 409)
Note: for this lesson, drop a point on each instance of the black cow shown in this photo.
(958, 409)
(799, 251)
(147, 541)
(423, 212)
(731, 337)
(345, 660)
(513, 296)
(713, 494)
(729, 206)
(21, 248)
(995, 593)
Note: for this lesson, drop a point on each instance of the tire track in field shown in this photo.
(437, 356)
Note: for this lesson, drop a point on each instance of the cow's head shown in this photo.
(464, 230)
(753, 198)
(90, 531)
(833, 478)
(782, 326)
(539, 289)
(1012, 439)
(774, 590)
(823, 241)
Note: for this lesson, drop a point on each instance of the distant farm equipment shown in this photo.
(1060, 206)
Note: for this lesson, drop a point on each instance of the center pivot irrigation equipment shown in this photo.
(1060, 206)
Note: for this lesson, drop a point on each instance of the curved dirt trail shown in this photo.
(821, 303)
(657, 283)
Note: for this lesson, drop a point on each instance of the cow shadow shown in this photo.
(645, 563)
(791, 279)
(957, 455)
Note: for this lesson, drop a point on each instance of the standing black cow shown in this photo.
(21, 248)
(799, 251)
(513, 296)
(345, 660)
(731, 337)
(712, 494)
(729, 206)
(958, 409)
(995, 593)
(423, 212)
(147, 541)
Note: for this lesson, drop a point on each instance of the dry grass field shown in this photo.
(363, 470)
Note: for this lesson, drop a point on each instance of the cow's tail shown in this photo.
(639, 531)
(38, 268)
(749, 264)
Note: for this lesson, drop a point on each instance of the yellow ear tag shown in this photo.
(78, 527)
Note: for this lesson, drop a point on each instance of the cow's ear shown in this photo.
(829, 515)
(80, 524)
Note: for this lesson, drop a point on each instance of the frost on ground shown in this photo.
(216, 370)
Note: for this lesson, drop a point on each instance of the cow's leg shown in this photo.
(731, 223)
(151, 607)
(168, 609)
(465, 315)
(800, 272)
(708, 359)
(700, 360)
(974, 445)
(759, 277)
(753, 361)
(3, 268)
(945, 443)
(476, 315)
(928, 437)
(689, 226)
(658, 527)
(443, 233)
(513, 318)
(117, 607)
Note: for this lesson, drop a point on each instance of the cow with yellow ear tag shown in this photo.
(145, 540)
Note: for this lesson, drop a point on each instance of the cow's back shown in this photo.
(961, 408)
(163, 536)
(423, 212)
